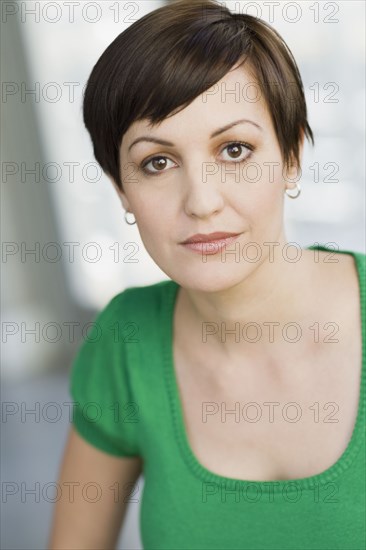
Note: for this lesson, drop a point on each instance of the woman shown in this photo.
(237, 387)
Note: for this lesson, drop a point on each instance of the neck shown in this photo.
(252, 314)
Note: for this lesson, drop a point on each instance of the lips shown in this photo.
(209, 237)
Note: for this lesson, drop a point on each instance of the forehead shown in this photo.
(236, 95)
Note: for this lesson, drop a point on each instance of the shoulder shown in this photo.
(344, 265)
(132, 315)
(133, 311)
(338, 279)
(135, 300)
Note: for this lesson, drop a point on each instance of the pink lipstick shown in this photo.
(210, 243)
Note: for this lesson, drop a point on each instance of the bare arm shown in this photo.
(83, 524)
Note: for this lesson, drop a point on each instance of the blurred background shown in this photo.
(66, 249)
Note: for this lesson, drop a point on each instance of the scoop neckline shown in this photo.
(273, 485)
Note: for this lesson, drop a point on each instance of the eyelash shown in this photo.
(158, 172)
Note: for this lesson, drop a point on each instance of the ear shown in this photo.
(121, 195)
(301, 143)
(294, 171)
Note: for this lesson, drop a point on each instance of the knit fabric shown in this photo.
(127, 404)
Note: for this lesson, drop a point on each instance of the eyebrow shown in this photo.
(214, 134)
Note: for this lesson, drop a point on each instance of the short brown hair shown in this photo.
(173, 54)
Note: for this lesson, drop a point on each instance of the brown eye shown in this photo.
(158, 163)
(236, 150)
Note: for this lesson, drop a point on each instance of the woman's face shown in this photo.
(204, 181)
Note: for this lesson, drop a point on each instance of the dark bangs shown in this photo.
(163, 61)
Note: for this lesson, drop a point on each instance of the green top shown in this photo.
(128, 404)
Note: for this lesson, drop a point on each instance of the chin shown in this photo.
(208, 278)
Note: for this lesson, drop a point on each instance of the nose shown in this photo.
(202, 196)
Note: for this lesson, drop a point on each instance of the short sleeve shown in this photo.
(105, 413)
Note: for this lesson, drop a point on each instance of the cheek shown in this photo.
(271, 183)
(261, 188)
(270, 164)
(155, 208)
(151, 221)
(262, 201)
